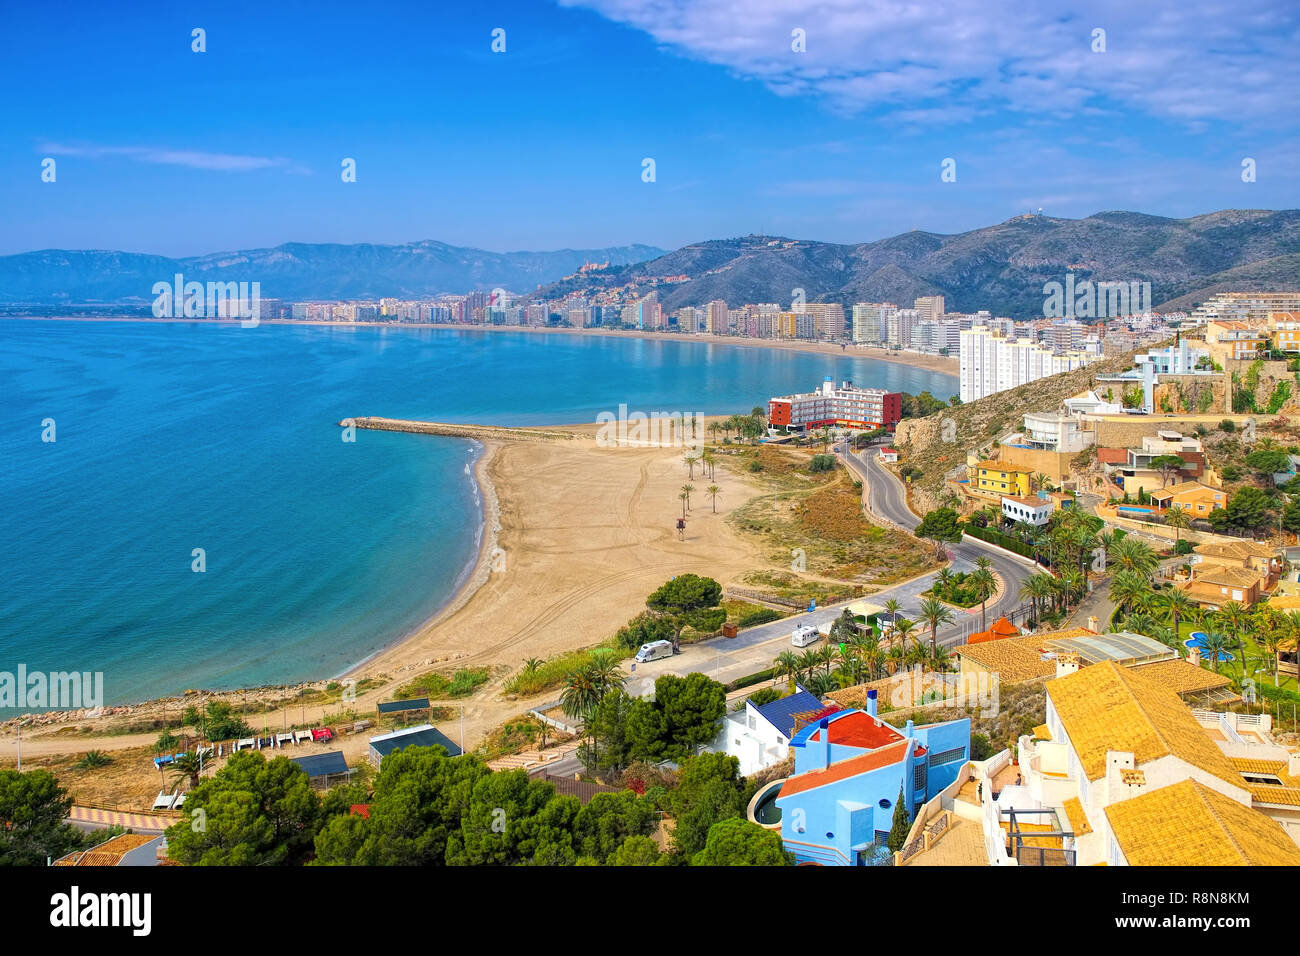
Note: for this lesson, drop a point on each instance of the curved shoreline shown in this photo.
(942, 364)
(480, 571)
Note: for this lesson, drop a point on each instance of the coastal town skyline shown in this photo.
(673, 433)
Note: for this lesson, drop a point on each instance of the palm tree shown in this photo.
(903, 628)
(713, 492)
(1270, 642)
(684, 497)
(1039, 480)
(940, 659)
(942, 578)
(690, 463)
(1236, 618)
(826, 657)
(1128, 589)
(985, 584)
(787, 665)
(808, 662)
(604, 672)
(1130, 554)
(580, 695)
(1179, 520)
(1177, 605)
(933, 614)
(686, 490)
(531, 664)
(1215, 644)
(187, 767)
(709, 460)
(1037, 587)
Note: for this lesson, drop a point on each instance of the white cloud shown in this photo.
(1200, 60)
(194, 159)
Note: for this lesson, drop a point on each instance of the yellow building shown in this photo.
(996, 478)
(1233, 340)
(1285, 327)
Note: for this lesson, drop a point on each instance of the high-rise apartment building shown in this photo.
(929, 308)
(991, 362)
(716, 319)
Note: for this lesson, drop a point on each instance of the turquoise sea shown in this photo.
(173, 437)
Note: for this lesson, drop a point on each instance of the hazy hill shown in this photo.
(1001, 268)
(296, 270)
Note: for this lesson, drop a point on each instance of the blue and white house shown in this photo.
(838, 807)
(760, 736)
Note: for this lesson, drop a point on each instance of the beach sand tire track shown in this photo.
(556, 609)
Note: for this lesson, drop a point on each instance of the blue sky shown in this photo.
(163, 150)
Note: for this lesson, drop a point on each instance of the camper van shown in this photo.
(804, 634)
(654, 651)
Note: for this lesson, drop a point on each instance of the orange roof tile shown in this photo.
(845, 769)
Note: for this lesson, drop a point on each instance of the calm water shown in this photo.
(173, 437)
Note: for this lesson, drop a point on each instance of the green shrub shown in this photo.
(762, 615)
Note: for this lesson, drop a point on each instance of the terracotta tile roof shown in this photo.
(109, 853)
(1133, 778)
(1276, 795)
(1184, 488)
(1256, 765)
(1041, 732)
(1228, 577)
(1236, 549)
(844, 769)
(1284, 602)
(1183, 677)
(1187, 824)
(1079, 824)
(1112, 456)
(1111, 707)
(857, 728)
(1019, 658)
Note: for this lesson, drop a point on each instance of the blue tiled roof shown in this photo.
(780, 713)
(428, 737)
(397, 706)
(320, 765)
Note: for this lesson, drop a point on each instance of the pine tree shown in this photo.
(902, 823)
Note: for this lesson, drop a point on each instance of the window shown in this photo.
(947, 756)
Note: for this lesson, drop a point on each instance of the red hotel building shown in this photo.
(845, 407)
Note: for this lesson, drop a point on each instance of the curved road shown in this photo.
(886, 499)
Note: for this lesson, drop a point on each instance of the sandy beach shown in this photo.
(947, 364)
(576, 536)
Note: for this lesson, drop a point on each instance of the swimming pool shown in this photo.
(1197, 640)
(1138, 509)
(763, 809)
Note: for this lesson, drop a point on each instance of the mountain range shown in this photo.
(1002, 268)
(296, 270)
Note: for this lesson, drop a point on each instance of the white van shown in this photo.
(654, 651)
(804, 634)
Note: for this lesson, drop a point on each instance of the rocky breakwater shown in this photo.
(480, 432)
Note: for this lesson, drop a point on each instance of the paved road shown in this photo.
(726, 659)
(887, 499)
